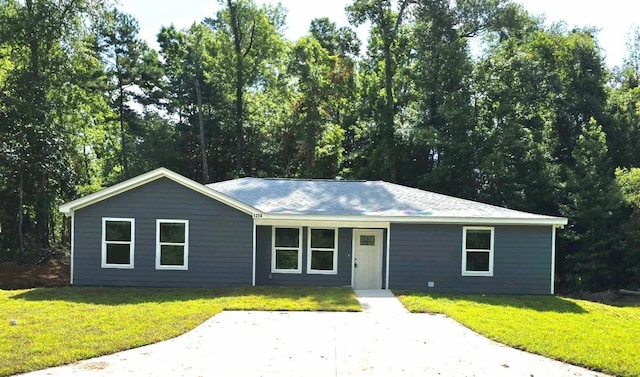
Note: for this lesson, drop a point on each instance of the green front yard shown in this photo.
(58, 326)
(61, 325)
(597, 336)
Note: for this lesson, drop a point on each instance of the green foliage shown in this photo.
(442, 135)
(629, 182)
(43, 43)
(323, 103)
(533, 122)
(591, 252)
(251, 39)
(584, 333)
(129, 66)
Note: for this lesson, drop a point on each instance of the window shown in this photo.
(477, 251)
(367, 240)
(322, 251)
(117, 242)
(286, 256)
(172, 244)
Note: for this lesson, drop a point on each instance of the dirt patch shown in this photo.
(610, 297)
(53, 273)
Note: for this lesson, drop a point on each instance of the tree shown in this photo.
(440, 138)
(590, 252)
(386, 25)
(623, 106)
(186, 55)
(123, 54)
(628, 182)
(323, 110)
(41, 40)
(342, 42)
(254, 36)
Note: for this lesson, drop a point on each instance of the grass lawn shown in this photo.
(597, 336)
(61, 325)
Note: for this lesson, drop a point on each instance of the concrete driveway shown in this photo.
(385, 340)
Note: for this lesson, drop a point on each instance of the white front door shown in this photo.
(367, 259)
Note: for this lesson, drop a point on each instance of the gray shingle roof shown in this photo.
(357, 198)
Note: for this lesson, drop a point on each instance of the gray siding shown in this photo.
(264, 276)
(220, 237)
(424, 253)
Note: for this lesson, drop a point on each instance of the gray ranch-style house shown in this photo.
(161, 229)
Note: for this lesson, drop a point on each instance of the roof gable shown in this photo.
(143, 179)
(378, 199)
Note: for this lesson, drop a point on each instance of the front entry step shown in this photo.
(379, 301)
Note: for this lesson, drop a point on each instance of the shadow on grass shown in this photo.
(537, 303)
(126, 296)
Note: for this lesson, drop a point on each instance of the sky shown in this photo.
(614, 18)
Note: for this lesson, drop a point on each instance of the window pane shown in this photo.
(171, 255)
(172, 232)
(323, 238)
(287, 237)
(477, 261)
(286, 259)
(478, 239)
(322, 260)
(367, 240)
(118, 253)
(118, 231)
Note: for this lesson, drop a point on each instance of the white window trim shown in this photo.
(333, 271)
(465, 250)
(103, 259)
(273, 251)
(185, 266)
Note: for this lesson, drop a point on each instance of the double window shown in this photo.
(322, 250)
(322, 255)
(118, 243)
(477, 251)
(287, 250)
(118, 240)
(172, 244)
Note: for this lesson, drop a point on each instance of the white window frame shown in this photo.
(333, 271)
(103, 258)
(298, 250)
(159, 245)
(465, 250)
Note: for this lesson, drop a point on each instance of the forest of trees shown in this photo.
(530, 118)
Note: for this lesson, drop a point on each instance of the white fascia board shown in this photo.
(266, 219)
(314, 221)
(145, 178)
(73, 246)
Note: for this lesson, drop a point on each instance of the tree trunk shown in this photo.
(51, 230)
(123, 136)
(21, 211)
(237, 42)
(239, 127)
(203, 143)
(388, 118)
(42, 216)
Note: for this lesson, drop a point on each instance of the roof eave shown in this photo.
(554, 221)
(69, 207)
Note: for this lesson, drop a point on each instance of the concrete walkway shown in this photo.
(380, 302)
(384, 340)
